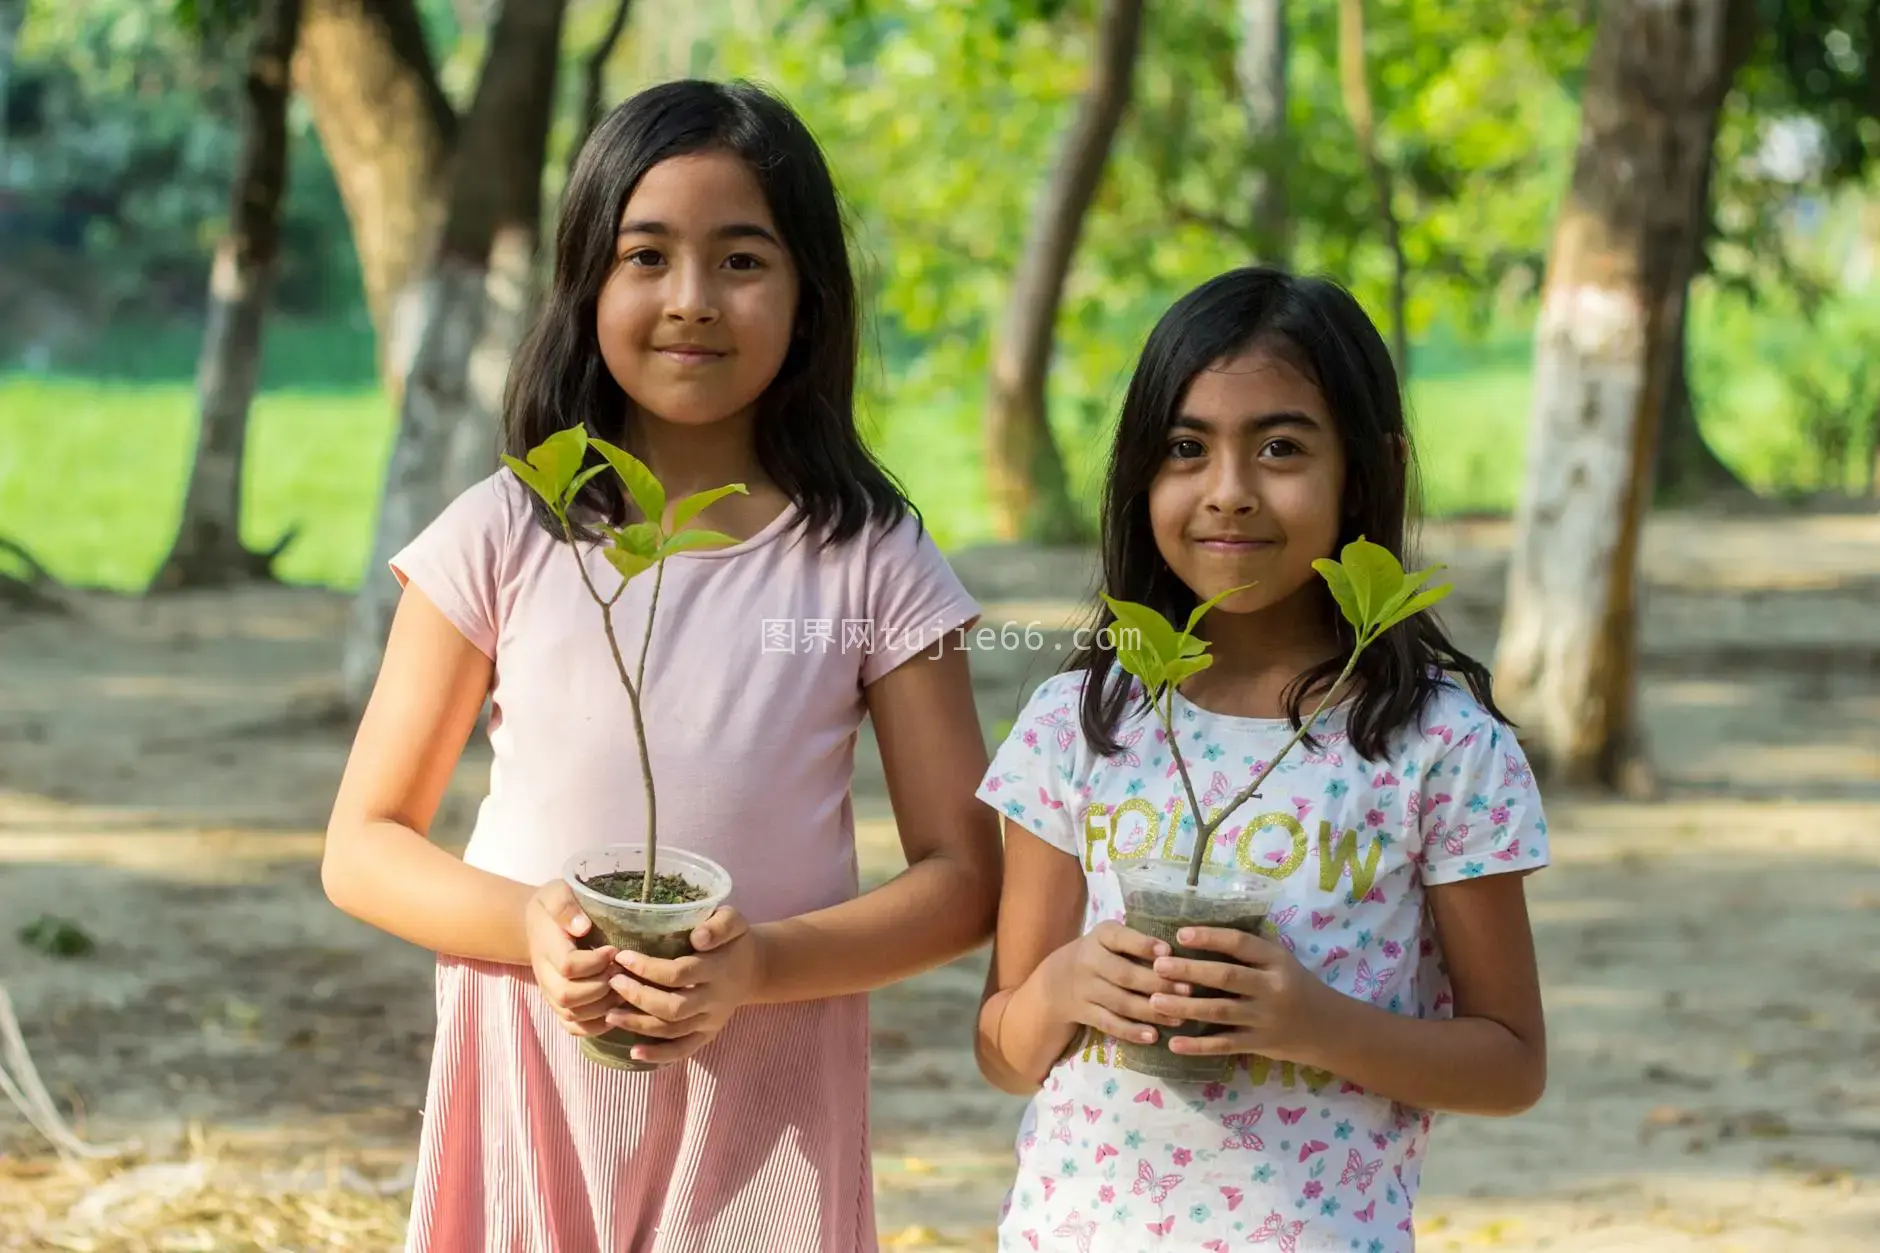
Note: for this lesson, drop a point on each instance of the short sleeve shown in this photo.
(1478, 810)
(458, 561)
(914, 600)
(1032, 779)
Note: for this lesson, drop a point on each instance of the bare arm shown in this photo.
(1049, 980)
(1020, 1035)
(942, 905)
(380, 865)
(1491, 1057)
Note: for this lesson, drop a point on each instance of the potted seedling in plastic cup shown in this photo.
(637, 897)
(1161, 896)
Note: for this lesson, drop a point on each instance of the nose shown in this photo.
(690, 296)
(1230, 492)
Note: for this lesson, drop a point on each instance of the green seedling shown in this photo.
(1373, 592)
(556, 470)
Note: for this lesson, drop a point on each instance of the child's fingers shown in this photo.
(559, 903)
(1120, 939)
(1128, 1006)
(725, 925)
(1119, 1027)
(661, 1003)
(671, 1051)
(582, 997)
(1225, 976)
(646, 1024)
(1228, 1010)
(1132, 975)
(585, 963)
(1238, 945)
(676, 972)
(1222, 1044)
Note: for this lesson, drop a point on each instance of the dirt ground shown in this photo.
(1712, 961)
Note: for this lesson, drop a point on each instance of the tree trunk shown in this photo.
(594, 81)
(1354, 81)
(387, 130)
(1604, 356)
(1686, 467)
(12, 18)
(208, 546)
(1029, 489)
(450, 405)
(1261, 69)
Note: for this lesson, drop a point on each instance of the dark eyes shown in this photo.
(646, 258)
(1280, 447)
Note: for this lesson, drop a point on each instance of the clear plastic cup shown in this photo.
(662, 931)
(1158, 902)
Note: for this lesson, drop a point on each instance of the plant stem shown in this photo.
(1204, 832)
(1188, 784)
(659, 573)
(633, 698)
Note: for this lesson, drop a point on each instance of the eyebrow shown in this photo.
(730, 230)
(1283, 419)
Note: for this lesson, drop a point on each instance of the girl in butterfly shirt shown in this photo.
(1263, 429)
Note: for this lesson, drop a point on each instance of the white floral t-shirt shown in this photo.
(1269, 1154)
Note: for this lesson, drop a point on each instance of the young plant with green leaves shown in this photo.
(556, 470)
(1373, 592)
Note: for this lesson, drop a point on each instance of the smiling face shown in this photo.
(696, 318)
(1252, 484)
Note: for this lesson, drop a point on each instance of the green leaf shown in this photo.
(582, 479)
(534, 478)
(1193, 647)
(1375, 574)
(1342, 591)
(1412, 607)
(1202, 609)
(1181, 670)
(1149, 628)
(1140, 663)
(1417, 578)
(648, 496)
(690, 507)
(559, 458)
(628, 563)
(686, 541)
(639, 538)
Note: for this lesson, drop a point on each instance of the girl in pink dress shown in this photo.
(703, 314)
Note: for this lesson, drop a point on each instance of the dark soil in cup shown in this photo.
(624, 885)
(1161, 916)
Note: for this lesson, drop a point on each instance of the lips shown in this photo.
(689, 354)
(1233, 543)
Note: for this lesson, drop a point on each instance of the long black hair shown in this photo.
(1318, 328)
(805, 433)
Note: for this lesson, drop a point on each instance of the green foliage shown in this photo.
(57, 937)
(556, 470)
(1373, 593)
(124, 128)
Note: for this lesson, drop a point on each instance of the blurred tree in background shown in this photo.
(1031, 183)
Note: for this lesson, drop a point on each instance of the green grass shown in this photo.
(92, 476)
(92, 470)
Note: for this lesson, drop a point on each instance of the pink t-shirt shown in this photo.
(753, 690)
(753, 700)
